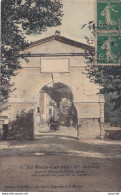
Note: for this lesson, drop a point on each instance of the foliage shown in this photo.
(109, 79)
(23, 127)
(112, 115)
(21, 17)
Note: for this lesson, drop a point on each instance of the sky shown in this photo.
(76, 13)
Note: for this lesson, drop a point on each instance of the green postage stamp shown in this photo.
(108, 24)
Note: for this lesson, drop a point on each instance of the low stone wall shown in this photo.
(112, 134)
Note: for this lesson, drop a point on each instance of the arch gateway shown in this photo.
(58, 61)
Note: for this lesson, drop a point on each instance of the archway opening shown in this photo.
(56, 110)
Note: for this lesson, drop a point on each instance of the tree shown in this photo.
(107, 77)
(21, 18)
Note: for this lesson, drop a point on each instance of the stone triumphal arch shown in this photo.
(55, 63)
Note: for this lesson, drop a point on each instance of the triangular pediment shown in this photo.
(57, 44)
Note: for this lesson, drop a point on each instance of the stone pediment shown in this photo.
(57, 44)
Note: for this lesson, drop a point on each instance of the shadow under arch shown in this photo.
(61, 90)
(50, 81)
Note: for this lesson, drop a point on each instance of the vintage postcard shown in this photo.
(60, 99)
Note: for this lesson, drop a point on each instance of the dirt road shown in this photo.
(60, 163)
